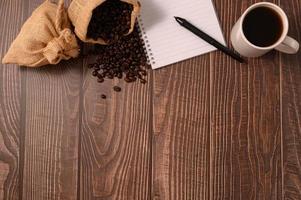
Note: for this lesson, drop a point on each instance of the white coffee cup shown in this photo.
(243, 46)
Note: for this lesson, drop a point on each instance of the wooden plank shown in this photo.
(115, 144)
(52, 100)
(52, 132)
(181, 131)
(245, 117)
(12, 14)
(291, 107)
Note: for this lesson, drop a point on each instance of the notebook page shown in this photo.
(168, 41)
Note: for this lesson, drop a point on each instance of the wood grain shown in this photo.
(12, 14)
(115, 144)
(181, 131)
(291, 107)
(205, 128)
(52, 132)
(52, 110)
(245, 118)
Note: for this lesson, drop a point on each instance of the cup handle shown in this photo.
(289, 45)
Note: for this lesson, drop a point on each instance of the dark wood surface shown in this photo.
(205, 128)
(290, 79)
(245, 117)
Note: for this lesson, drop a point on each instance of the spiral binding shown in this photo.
(147, 47)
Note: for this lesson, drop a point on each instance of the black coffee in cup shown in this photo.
(262, 26)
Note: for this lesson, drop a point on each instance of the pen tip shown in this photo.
(179, 19)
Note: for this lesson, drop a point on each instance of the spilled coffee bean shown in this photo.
(124, 59)
(117, 89)
(110, 21)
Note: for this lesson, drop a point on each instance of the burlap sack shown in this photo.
(45, 38)
(80, 14)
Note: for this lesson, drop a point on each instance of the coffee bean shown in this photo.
(117, 89)
(139, 76)
(127, 80)
(133, 78)
(143, 81)
(100, 80)
(110, 21)
(119, 75)
(121, 59)
(94, 73)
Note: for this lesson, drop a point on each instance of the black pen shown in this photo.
(209, 39)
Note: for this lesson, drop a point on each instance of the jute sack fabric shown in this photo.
(80, 14)
(45, 38)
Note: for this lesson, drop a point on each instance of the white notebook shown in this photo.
(166, 41)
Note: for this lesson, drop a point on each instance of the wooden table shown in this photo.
(206, 128)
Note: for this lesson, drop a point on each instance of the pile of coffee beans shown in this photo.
(110, 21)
(125, 59)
